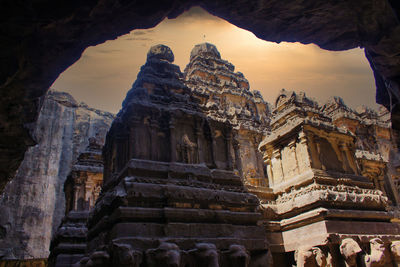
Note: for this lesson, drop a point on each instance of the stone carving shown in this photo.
(204, 254)
(238, 256)
(125, 256)
(395, 249)
(167, 254)
(310, 257)
(377, 257)
(350, 249)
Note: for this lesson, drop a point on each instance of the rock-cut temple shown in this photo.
(198, 170)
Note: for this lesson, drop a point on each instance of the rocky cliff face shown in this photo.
(33, 204)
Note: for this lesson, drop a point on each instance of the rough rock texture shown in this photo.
(33, 204)
(225, 96)
(40, 39)
(170, 195)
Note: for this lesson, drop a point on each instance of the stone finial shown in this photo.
(205, 49)
(161, 52)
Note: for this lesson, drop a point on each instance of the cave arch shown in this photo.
(40, 39)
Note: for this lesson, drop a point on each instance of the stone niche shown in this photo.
(170, 195)
(321, 194)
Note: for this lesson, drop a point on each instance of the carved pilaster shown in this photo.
(173, 140)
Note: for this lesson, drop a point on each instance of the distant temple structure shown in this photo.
(82, 189)
(200, 171)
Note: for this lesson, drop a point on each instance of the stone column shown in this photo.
(350, 158)
(302, 154)
(228, 142)
(154, 140)
(276, 163)
(199, 140)
(172, 139)
(268, 164)
(315, 161)
(292, 146)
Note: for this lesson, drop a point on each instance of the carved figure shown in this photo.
(310, 257)
(377, 256)
(238, 256)
(124, 255)
(349, 249)
(167, 254)
(395, 249)
(205, 254)
(188, 150)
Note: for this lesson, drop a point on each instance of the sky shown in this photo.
(104, 74)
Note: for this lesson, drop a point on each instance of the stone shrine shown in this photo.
(82, 189)
(170, 194)
(322, 200)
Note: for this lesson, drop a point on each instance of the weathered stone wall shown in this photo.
(33, 204)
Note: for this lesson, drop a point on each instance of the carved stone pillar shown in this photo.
(350, 158)
(315, 161)
(173, 140)
(230, 157)
(277, 165)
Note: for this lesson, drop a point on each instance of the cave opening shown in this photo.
(239, 57)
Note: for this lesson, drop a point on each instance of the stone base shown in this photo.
(69, 244)
(188, 210)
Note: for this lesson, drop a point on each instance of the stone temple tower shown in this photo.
(170, 196)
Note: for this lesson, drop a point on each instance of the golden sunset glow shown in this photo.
(106, 72)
